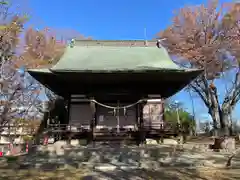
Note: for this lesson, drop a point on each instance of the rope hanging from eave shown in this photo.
(117, 107)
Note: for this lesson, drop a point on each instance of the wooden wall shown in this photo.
(81, 114)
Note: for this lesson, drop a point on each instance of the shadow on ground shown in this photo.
(113, 163)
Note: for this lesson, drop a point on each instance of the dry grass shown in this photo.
(219, 174)
(190, 174)
(35, 174)
(167, 173)
(172, 173)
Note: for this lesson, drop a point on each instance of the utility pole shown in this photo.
(177, 111)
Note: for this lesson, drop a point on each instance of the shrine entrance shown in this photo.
(116, 116)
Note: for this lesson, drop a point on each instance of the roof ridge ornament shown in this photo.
(72, 43)
(159, 45)
(145, 37)
(146, 43)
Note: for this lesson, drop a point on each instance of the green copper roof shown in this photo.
(90, 55)
(91, 62)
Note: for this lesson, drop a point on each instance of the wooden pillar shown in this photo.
(141, 129)
(162, 120)
(68, 108)
(46, 111)
(68, 131)
(92, 121)
(137, 126)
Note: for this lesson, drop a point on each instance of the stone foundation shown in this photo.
(226, 143)
(165, 141)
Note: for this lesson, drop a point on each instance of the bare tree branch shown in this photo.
(207, 36)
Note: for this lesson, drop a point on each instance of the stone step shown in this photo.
(109, 167)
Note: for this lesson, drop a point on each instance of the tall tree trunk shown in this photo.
(46, 114)
(41, 127)
(215, 117)
(221, 121)
(220, 114)
(225, 123)
(214, 111)
(222, 125)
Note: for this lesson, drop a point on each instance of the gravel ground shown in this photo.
(100, 162)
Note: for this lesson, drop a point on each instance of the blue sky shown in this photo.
(113, 19)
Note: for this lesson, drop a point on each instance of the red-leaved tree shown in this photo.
(22, 48)
(16, 91)
(43, 49)
(208, 37)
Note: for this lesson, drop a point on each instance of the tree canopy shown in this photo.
(22, 48)
(207, 37)
(174, 112)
